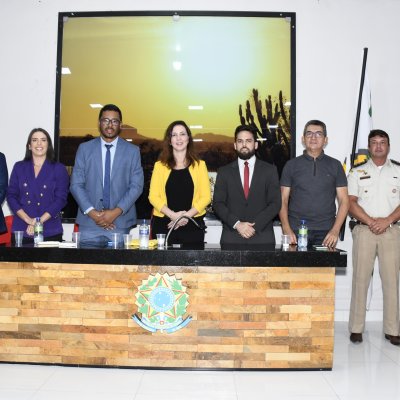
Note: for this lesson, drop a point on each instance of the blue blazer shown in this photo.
(126, 181)
(3, 189)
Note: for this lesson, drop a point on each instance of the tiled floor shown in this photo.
(366, 371)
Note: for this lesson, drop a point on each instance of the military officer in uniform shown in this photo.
(374, 192)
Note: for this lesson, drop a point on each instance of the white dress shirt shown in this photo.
(251, 161)
(104, 151)
(103, 159)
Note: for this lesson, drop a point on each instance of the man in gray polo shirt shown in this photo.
(310, 184)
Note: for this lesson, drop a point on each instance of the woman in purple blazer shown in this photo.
(3, 190)
(38, 187)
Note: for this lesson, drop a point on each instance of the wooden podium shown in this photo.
(244, 308)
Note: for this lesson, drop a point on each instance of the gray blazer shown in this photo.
(126, 181)
(262, 205)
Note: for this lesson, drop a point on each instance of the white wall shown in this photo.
(330, 37)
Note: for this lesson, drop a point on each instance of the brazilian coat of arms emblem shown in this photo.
(162, 302)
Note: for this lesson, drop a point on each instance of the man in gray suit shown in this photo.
(247, 194)
(106, 181)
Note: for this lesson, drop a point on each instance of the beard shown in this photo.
(245, 155)
(110, 135)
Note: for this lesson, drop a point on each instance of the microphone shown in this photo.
(202, 227)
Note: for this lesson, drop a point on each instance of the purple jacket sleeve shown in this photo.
(13, 191)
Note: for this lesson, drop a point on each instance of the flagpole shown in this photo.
(353, 154)
(355, 137)
(353, 150)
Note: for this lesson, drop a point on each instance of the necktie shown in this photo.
(107, 176)
(246, 179)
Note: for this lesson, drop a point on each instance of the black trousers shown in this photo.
(189, 233)
(316, 237)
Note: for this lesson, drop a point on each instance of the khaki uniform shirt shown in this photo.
(377, 188)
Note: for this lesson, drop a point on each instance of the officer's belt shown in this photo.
(362, 223)
(354, 222)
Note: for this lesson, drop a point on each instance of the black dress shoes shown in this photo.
(356, 338)
(395, 340)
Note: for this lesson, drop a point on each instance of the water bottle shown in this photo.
(37, 232)
(144, 233)
(302, 240)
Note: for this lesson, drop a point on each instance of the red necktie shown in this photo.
(246, 179)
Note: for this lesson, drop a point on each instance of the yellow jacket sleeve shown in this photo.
(202, 191)
(157, 195)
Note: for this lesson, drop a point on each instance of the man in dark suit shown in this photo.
(106, 181)
(3, 190)
(247, 194)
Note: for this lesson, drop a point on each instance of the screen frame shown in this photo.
(63, 16)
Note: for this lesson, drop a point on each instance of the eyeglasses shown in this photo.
(106, 121)
(317, 134)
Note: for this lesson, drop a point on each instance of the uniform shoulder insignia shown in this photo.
(360, 163)
(395, 162)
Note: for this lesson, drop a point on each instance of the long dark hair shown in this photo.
(50, 154)
(167, 155)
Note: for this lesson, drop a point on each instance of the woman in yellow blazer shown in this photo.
(179, 186)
